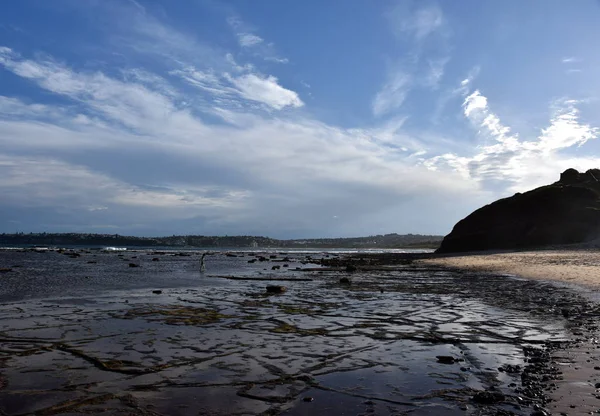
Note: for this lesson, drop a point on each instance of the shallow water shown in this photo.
(87, 333)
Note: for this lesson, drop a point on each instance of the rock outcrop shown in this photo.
(566, 212)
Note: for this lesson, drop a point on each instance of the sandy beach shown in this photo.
(579, 267)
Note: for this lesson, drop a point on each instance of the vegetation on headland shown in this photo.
(116, 240)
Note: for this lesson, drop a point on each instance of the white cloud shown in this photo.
(570, 59)
(565, 130)
(519, 165)
(265, 90)
(248, 39)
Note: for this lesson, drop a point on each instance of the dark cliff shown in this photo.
(565, 212)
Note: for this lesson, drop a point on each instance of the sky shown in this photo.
(288, 119)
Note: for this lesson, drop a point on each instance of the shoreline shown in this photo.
(578, 269)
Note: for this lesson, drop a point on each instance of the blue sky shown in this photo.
(288, 119)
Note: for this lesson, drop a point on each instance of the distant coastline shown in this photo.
(181, 241)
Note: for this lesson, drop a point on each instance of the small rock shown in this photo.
(155, 259)
(488, 397)
(345, 281)
(133, 265)
(446, 359)
(275, 267)
(350, 268)
(276, 289)
(157, 292)
(308, 399)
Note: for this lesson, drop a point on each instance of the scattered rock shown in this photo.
(510, 368)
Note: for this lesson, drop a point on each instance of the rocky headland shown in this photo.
(565, 212)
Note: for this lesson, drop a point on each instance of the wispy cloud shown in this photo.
(392, 94)
(249, 40)
(413, 26)
(436, 71)
(419, 23)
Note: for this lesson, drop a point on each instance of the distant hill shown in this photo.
(116, 240)
(565, 212)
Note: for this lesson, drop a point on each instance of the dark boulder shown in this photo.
(565, 212)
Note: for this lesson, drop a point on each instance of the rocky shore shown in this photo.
(329, 334)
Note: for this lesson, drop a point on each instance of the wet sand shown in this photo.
(581, 267)
(394, 338)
